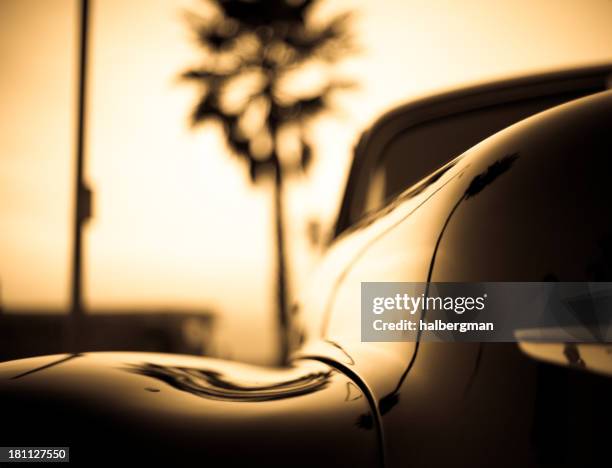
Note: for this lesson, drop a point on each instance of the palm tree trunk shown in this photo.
(281, 270)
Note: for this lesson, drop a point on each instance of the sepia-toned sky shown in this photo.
(176, 223)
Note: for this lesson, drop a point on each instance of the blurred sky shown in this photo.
(176, 222)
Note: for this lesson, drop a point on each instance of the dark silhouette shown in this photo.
(250, 49)
(82, 193)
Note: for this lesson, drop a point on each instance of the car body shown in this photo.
(342, 401)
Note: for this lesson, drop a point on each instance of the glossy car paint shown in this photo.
(361, 404)
(531, 203)
(185, 410)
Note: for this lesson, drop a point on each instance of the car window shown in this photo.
(413, 153)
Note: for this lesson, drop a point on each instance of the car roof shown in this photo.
(585, 80)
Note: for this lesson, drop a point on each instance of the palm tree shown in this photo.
(251, 50)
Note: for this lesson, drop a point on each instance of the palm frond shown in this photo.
(270, 38)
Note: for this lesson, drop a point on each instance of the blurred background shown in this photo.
(179, 252)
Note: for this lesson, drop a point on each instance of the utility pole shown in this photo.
(82, 194)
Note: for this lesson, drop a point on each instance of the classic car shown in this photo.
(541, 149)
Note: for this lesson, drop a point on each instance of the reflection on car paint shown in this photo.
(214, 385)
(48, 365)
(352, 392)
(478, 183)
(488, 177)
(409, 193)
